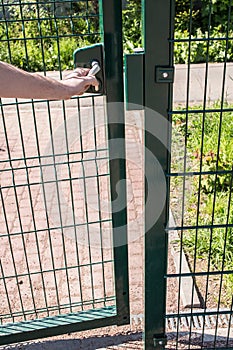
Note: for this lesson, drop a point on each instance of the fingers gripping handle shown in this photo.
(92, 57)
(95, 68)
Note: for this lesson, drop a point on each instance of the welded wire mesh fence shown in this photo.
(55, 182)
(200, 230)
(41, 35)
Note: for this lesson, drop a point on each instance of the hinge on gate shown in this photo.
(160, 342)
(164, 74)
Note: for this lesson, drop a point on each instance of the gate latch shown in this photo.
(92, 57)
(164, 74)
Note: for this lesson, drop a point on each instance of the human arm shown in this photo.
(15, 82)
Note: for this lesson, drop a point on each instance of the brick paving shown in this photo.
(35, 235)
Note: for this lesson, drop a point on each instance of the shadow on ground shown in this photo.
(90, 343)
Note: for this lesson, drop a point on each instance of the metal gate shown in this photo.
(188, 252)
(61, 257)
(56, 268)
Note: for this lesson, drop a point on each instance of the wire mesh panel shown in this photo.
(57, 255)
(200, 228)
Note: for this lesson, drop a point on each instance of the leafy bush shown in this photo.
(37, 39)
(202, 15)
(132, 26)
(201, 48)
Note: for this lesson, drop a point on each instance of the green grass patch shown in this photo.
(203, 142)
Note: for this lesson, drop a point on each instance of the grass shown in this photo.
(203, 143)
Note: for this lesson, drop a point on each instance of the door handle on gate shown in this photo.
(92, 57)
(95, 68)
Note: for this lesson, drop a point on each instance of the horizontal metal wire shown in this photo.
(39, 38)
(54, 156)
(56, 269)
(64, 179)
(198, 227)
(51, 228)
(41, 2)
(16, 102)
(195, 322)
(191, 110)
(199, 173)
(204, 312)
(190, 39)
(25, 20)
(196, 274)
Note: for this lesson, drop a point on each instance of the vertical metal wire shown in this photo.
(6, 290)
(86, 211)
(77, 247)
(6, 221)
(34, 223)
(230, 323)
(217, 164)
(185, 163)
(223, 258)
(41, 165)
(98, 198)
(56, 179)
(201, 161)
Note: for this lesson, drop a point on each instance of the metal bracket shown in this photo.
(160, 343)
(164, 74)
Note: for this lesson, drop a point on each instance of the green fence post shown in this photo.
(158, 18)
(113, 48)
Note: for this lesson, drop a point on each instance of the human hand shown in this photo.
(79, 81)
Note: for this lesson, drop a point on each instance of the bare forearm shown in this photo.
(15, 82)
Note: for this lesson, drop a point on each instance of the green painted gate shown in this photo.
(57, 274)
(188, 128)
(61, 254)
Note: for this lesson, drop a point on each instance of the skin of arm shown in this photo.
(18, 83)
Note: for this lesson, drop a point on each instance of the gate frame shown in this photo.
(95, 318)
(158, 17)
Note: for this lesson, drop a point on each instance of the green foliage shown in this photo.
(210, 146)
(186, 17)
(209, 142)
(37, 38)
(132, 26)
(54, 30)
(201, 49)
(204, 20)
(215, 13)
(202, 14)
(216, 245)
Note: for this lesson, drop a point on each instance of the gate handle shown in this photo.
(95, 68)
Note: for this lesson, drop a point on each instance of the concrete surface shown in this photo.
(215, 77)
